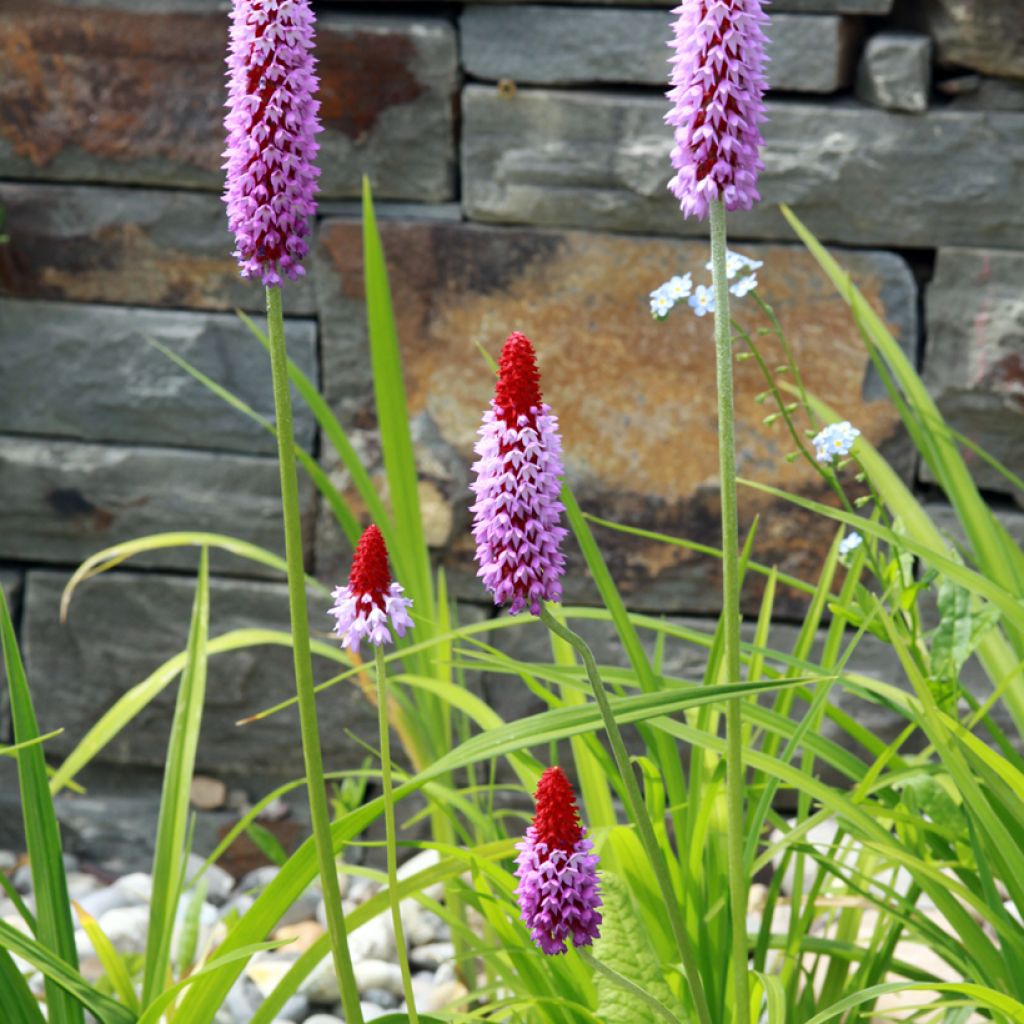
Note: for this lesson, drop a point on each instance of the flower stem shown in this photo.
(624, 983)
(638, 812)
(389, 822)
(730, 614)
(303, 662)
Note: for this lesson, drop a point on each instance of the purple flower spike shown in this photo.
(271, 125)
(517, 510)
(558, 884)
(371, 602)
(717, 96)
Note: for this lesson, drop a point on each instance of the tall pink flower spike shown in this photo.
(717, 95)
(271, 136)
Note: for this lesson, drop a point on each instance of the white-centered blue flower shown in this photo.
(835, 441)
(744, 285)
(850, 543)
(702, 300)
(736, 263)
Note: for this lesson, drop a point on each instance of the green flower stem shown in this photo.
(638, 811)
(303, 661)
(624, 983)
(730, 614)
(389, 822)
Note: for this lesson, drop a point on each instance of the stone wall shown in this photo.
(519, 158)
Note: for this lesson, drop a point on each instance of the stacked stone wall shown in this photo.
(519, 159)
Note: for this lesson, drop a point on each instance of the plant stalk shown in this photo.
(389, 822)
(734, 770)
(638, 811)
(312, 757)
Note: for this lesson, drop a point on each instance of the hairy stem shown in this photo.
(730, 614)
(311, 755)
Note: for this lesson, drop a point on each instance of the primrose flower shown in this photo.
(517, 511)
(371, 601)
(271, 127)
(702, 300)
(835, 441)
(850, 543)
(717, 89)
(558, 884)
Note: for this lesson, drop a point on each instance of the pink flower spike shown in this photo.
(517, 511)
(717, 96)
(271, 129)
(371, 602)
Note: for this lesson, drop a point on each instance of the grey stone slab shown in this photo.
(122, 626)
(986, 35)
(89, 372)
(134, 247)
(11, 582)
(895, 71)
(65, 500)
(974, 92)
(135, 96)
(539, 45)
(974, 359)
(853, 174)
(945, 518)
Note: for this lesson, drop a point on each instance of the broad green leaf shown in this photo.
(625, 948)
(54, 928)
(174, 800)
(17, 1004)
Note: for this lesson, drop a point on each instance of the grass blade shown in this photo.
(171, 828)
(17, 1004)
(54, 928)
(113, 962)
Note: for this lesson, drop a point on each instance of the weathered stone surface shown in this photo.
(987, 35)
(944, 517)
(64, 500)
(137, 247)
(568, 46)
(895, 71)
(974, 360)
(11, 582)
(136, 96)
(988, 93)
(122, 626)
(635, 397)
(801, 6)
(857, 175)
(115, 386)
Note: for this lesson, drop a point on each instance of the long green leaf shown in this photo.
(113, 962)
(174, 801)
(17, 1004)
(54, 928)
(65, 979)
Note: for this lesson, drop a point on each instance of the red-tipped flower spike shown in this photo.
(370, 601)
(558, 885)
(517, 511)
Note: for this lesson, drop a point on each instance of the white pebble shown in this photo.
(381, 974)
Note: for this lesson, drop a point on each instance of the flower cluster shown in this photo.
(701, 298)
(370, 602)
(835, 441)
(558, 884)
(271, 136)
(850, 543)
(517, 512)
(717, 92)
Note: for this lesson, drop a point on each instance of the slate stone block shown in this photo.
(138, 247)
(635, 397)
(64, 500)
(876, 7)
(974, 359)
(986, 35)
(122, 626)
(135, 96)
(113, 385)
(537, 45)
(895, 71)
(854, 175)
(11, 583)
